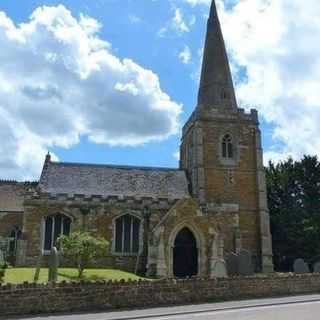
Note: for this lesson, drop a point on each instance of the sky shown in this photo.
(113, 81)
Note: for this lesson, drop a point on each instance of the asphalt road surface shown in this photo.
(293, 308)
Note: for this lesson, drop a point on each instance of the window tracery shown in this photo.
(227, 147)
(127, 234)
(54, 226)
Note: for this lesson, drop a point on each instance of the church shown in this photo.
(160, 221)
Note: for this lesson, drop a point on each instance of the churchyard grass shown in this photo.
(20, 275)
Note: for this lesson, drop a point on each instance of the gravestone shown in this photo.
(300, 267)
(232, 264)
(4, 245)
(245, 263)
(316, 267)
(38, 268)
(2, 260)
(53, 265)
(219, 269)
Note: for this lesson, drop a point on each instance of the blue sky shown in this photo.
(166, 37)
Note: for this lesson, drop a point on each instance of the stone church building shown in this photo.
(166, 222)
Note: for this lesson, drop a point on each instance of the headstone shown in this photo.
(219, 269)
(2, 260)
(300, 267)
(38, 268)
(2, 266)
(316, 267)
(53, 265)
(4, 245)
(245, 263)
(21, 252)
(232, 264)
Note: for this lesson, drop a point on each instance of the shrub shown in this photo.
(82, 248)
(2, 272)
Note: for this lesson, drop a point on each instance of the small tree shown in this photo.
(4, 245)
(3, 266)
(82, 248)
(2, 272)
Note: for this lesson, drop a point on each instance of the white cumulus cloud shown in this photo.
(277, 43)
(274, 50)
(59, 81)
(178, 23)
(185, 55)
(198, 2)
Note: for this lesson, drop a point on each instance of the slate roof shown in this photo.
(11, 196)
(109, 180)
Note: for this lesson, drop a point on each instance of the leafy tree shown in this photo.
(4, 245)
(82, 248)
(3, 268)
(294, 203)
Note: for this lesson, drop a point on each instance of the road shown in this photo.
(293, 308)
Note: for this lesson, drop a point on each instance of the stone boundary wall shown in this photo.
(74, 297)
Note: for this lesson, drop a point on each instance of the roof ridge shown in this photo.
(9, 181)
(115, 166)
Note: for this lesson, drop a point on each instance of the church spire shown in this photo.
(216, 87)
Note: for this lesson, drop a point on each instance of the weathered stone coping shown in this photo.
(98, 199)
(28, 298)
(148, 282)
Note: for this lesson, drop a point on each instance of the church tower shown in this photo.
(222, 154)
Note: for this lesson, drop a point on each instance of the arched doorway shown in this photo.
(185, 254)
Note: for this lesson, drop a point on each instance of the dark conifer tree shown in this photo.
(294, 203)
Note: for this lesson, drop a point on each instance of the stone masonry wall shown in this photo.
(11, 206)
(236, 182)
(98, 221)
(8, 222)
(72, 297)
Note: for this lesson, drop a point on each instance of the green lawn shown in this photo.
(20, 275)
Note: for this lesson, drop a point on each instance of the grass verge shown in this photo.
(20, 275)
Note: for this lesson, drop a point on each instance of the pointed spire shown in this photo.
(48, 157)
(216, 86)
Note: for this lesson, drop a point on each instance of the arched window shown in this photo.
(54, 226)
(227, 147)
(127, 231)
